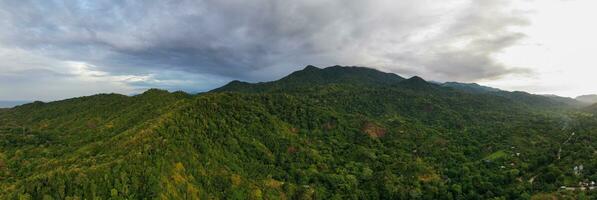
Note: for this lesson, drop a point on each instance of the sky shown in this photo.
(51, 50)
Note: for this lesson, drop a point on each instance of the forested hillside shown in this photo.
(333, 133)
(591, 99)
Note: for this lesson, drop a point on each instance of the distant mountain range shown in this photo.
(476, 88)
(362, 77)
(470, 87)
(592, 98)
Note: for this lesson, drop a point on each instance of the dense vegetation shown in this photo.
(334, 133)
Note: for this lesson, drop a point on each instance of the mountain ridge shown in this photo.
(312, 77)
(591, 98)
(470, 87)
(296, 139)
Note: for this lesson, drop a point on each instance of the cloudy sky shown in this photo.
(52, 49)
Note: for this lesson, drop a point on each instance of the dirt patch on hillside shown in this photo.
(330, 124)
(373, 130)
(292, 150)
(426, 178)
(294, 130)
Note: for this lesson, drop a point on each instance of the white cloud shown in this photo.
(26, 76)
(560, 49)
(87, 47)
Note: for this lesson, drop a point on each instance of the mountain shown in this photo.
(590, 99)
(470, 87)
(516, 96)
(312, 79)
(362, 134)
(312, 76)
(567, 100)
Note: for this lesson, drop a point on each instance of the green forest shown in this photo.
(332, 133)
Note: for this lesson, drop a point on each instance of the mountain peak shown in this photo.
(340, 74)
(237, 82)
(154, 91)
(312, 76)
(416, 82)
(416, 78)
(311, 67)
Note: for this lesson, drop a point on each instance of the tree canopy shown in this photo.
(334, 133)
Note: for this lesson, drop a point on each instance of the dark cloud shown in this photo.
(264, 39)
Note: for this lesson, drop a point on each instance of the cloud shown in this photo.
(24, 76)
(260, 40)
